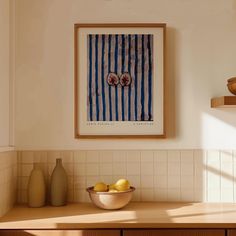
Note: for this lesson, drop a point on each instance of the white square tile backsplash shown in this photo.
(133, 168)
(119, 168)
(158, 175)
(147, 181)
(8, 180)
(147, 168)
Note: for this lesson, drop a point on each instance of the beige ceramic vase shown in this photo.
(36, 187)
(58, 192)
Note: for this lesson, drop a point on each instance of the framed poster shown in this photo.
(119, 80)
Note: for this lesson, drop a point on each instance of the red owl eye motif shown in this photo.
(112, 79)
(125, 79)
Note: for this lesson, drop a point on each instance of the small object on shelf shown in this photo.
(36, 187)
(59, 185)
(232, 85)
(224, 102)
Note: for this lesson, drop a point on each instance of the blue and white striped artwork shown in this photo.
(120, 77)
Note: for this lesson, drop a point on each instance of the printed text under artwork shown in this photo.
(120, 77)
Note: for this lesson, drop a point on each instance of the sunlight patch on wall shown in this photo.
(217, 133)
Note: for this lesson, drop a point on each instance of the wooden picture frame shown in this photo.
(119, 80)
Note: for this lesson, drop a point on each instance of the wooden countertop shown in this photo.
(135, 215)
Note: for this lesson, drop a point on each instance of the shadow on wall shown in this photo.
(227, 115)
(170, 74)
(219, 128)
(234, 5)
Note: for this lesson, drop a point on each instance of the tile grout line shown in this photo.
(220, 162)
(73, 152)
(206, 168)
(112, 166)
(193, 170)
(154, 186)
(167, 175)
(141, 187)
(86, 176)
(180, 171)
(126, 169)
(194, 178)
(73, 174)
(232, 171)
(233, 152)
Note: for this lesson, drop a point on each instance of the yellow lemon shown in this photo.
(100, 187)
(122, 185)
(112, 187)
(113, 191)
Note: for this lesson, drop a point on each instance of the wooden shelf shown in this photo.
(224, 102)
(136, 215)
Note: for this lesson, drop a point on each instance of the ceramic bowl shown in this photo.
(110, 200)
(232, 85)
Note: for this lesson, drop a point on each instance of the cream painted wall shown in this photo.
(4, 72)
(201, 51)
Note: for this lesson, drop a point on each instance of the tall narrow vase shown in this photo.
(36, 187)
(58, 185)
